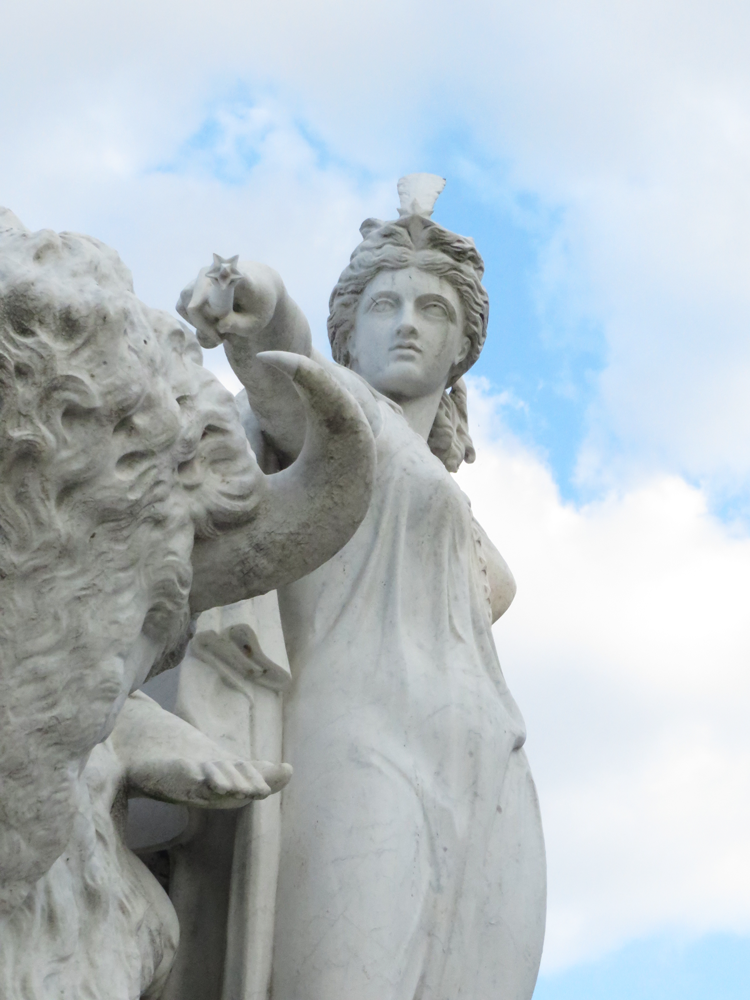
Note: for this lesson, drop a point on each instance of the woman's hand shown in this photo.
(164, 757)
(217, 783)
(245, 306)
(230, 300)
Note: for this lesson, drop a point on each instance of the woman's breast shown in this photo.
(410, 567)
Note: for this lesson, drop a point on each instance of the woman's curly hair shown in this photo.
(414, 241)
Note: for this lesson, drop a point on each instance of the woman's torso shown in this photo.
(396, 627)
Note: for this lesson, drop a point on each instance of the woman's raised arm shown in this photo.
(245, 306)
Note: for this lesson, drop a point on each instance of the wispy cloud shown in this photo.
(627, 648)
(632, 121)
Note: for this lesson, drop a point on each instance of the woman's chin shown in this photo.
(403, 380)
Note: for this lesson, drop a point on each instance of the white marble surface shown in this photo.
(129, 500)
(412, 857)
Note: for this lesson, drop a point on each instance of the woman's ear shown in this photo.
(463, 350)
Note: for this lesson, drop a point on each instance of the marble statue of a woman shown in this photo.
(412, 859)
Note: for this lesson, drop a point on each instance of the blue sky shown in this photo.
(661, 968)
(545, 359)
(599, 154)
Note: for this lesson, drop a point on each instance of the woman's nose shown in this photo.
(406, 330)
(407, 327)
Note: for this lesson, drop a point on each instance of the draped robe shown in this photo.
(412, 860)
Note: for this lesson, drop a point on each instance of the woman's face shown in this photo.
(408, 333)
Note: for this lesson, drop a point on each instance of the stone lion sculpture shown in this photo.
(129, 502)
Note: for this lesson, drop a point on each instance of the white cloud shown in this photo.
(632, 117)
(628, 648)
(279, 205)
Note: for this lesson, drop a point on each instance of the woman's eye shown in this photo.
(381, 305)
(436, 309)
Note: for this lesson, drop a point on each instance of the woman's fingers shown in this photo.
(195, 305)
(184, 300)
(222, 783)
(239, 303)
(276, 776)
(238, 779)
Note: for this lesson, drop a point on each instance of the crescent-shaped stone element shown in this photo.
(306, 512)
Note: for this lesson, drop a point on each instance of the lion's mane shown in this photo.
(116, 448)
